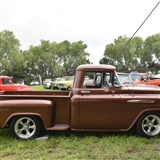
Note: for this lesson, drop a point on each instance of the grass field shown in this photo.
(83, 146)
(40, 88)
(71, 145)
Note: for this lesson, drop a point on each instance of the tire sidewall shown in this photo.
(140, 121)
(36, 121)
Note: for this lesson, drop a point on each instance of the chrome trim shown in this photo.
(140, 101)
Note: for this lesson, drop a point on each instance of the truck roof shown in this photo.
(4, 76)
(97, 67)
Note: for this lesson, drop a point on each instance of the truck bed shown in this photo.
(24, 99)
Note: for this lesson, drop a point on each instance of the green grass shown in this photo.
(81, 146)
(69, 145)
(40, 88)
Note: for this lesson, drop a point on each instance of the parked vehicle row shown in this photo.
(144, 78)
(66, 82)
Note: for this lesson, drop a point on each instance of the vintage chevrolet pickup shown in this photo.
(107, 105)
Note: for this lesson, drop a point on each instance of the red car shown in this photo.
(7, 84)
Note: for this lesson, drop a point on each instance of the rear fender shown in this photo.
(9, 119)
(43, 109)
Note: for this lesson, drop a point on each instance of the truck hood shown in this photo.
(144, 89)
(20, 87)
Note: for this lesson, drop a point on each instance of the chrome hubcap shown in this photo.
(151, 125)
(25, 127)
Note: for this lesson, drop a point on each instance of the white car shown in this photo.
(47, 83)
(157, 76)
(34, 83)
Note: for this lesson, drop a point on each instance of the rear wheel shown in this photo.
(148, 124)
(25, 127)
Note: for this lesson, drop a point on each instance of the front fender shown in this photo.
(141, 113)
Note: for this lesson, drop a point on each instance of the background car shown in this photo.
(47, 83)
(33, 83)
(124, 78)
(54, 82)
(157, 75)
(66, 83)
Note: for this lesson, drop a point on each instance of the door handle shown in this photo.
(85, 92)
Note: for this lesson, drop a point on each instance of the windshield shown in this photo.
(125, 79)
(70, 78)
(135, 77)
(64, 78)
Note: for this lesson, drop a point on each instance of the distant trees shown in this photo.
(151, 57)
(52, 59)
(139, 54)
(12, 60)
(49, 59)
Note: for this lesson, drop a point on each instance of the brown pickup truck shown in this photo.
(107, 105)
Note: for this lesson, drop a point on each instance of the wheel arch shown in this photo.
(148, 125)
(142, 113)
(11, 117)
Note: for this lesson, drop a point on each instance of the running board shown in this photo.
(59, 127)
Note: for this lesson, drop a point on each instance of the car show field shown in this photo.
(81, 145)
(56, 103)
(38, 88)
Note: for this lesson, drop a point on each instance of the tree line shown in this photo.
(52, 59)
(138, 55)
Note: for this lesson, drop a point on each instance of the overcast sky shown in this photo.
(95, 22)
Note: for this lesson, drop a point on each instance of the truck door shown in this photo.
(99, 107)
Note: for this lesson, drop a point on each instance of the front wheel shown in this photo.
(148, 124)
(25, 127)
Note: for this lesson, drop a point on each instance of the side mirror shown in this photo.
(144, 79)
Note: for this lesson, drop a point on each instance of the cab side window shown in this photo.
(92, 79)
(6, 81)
(97, 79)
